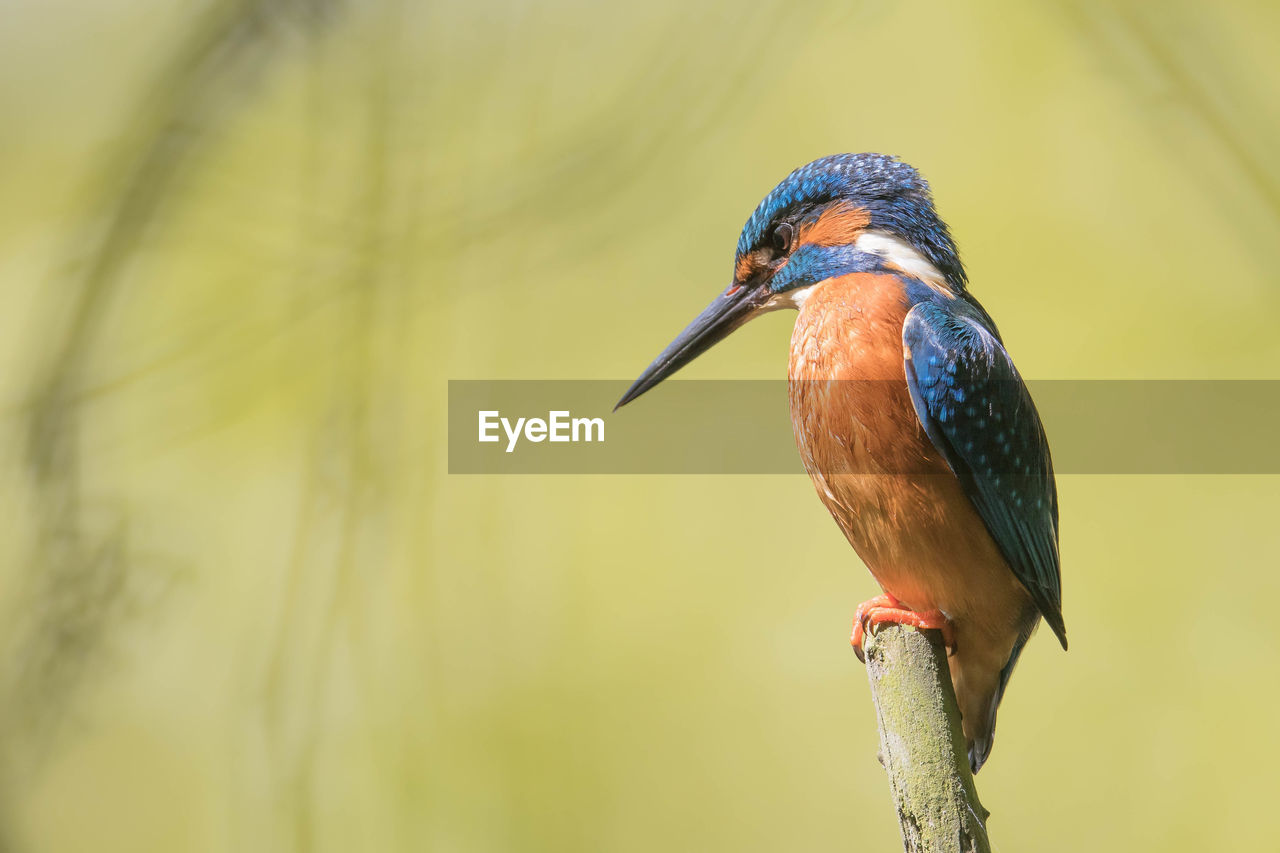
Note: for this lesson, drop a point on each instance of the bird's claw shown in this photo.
(886, 608)
(860, 621)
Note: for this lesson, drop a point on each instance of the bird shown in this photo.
(918, 432)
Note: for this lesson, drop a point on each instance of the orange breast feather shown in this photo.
(887, 486)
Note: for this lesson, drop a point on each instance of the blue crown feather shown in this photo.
(893, 193)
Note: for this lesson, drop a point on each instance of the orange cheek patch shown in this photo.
(839, 225)
(749, 265)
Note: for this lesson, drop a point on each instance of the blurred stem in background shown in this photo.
(79, 584)
(345, 478)
(1159, 61)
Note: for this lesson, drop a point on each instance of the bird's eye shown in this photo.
(782, 236)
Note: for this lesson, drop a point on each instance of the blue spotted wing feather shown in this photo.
(977, 411)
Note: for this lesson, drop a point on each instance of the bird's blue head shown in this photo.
(841, 214)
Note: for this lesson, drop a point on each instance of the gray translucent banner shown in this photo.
(744, 427)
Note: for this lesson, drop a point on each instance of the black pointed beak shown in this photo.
(726, 312)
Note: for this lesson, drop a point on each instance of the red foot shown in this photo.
(860, 621)
(886, 608)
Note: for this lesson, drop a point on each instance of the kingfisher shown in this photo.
(915, 427)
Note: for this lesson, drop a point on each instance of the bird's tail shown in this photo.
(982, 731)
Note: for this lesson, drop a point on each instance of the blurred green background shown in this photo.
(243, 246)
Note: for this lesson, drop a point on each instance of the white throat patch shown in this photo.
(793, 298)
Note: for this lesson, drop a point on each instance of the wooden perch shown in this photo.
(921, 745)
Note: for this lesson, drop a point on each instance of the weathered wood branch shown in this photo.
(921, 744)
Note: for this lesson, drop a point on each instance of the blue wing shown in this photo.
(978, 413)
